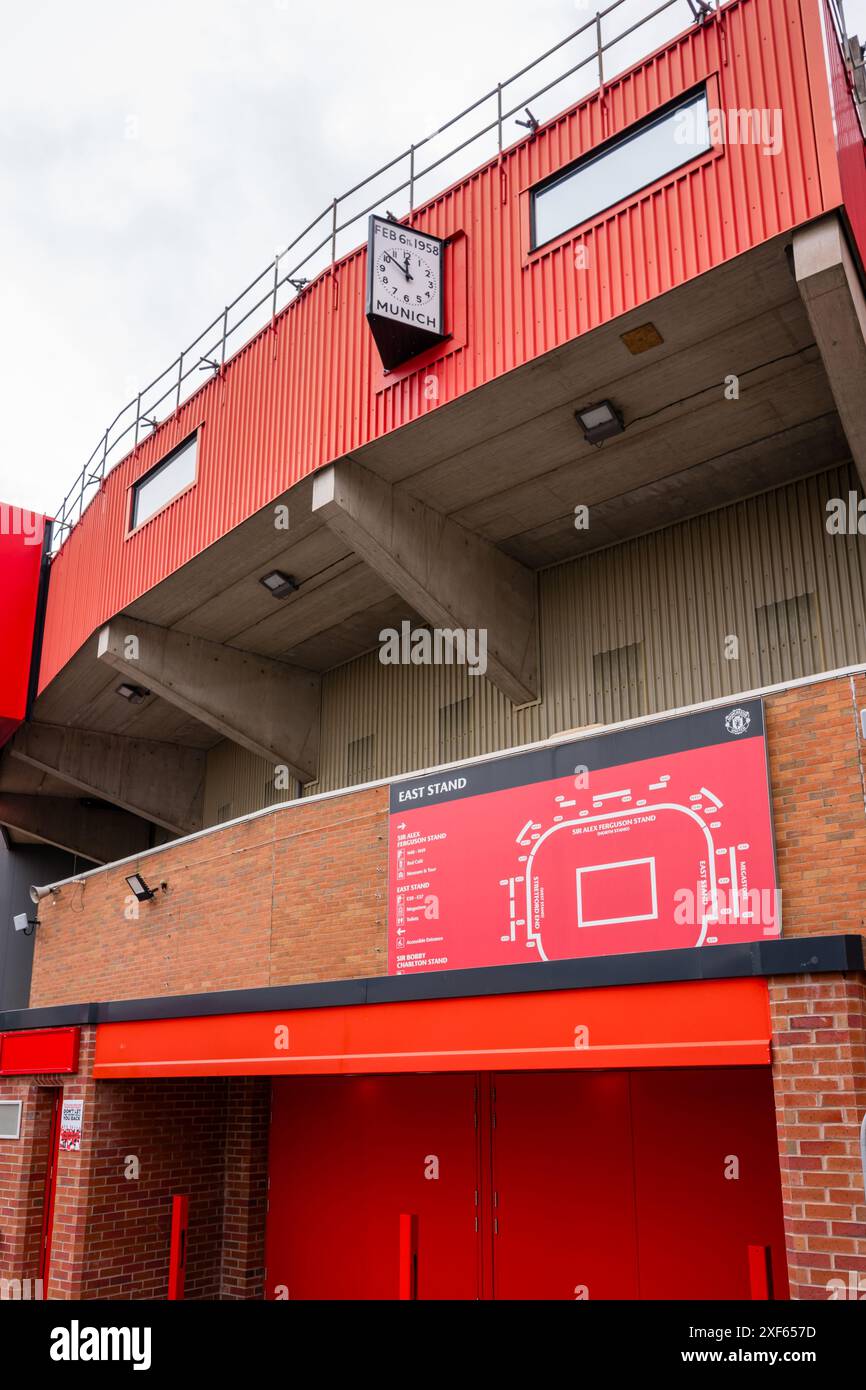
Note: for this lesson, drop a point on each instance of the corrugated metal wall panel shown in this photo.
(238, 782)
(765, 573)
(304, 392)
(676, 595)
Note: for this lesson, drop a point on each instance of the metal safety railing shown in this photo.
(837, 10)
(317, 248)
(852, 50)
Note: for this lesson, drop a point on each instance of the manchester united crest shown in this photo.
(738, 721)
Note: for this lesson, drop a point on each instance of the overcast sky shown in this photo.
(154, 156)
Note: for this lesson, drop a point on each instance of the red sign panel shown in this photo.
(21, 535)
(652, 838)
(39, 1051)
(692, 1023)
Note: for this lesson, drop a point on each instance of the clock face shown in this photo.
(405, 283)
(409, 277)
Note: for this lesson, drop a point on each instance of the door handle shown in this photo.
(408, 1258)
(760, 1272)
(177, 1247)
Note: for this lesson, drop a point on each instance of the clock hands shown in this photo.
(404, 268)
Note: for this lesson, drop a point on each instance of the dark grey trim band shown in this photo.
(704, 728)
(803, 955)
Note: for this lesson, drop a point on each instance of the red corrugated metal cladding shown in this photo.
(309, 389)
(849, 139)
(21, 537)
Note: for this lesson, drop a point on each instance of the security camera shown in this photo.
(37, 893)
(23, 923)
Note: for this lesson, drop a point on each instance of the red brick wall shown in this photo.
(298, 894)
(177, 1131)
(72, 1184)
(818, 778)
(205, 1138)
(819, 1075)
(23, 1169)
(330, 891)
(246, 1187)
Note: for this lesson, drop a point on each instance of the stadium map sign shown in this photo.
(652, 838)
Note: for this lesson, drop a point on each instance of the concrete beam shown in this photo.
(834, 300)
(100, 833)
(164, 782)
(454, 578)
(267, 706)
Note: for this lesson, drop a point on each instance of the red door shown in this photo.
(50, 1189)
(707, 1181)
(349, 1157)
(564, 1221)
(528, 1185)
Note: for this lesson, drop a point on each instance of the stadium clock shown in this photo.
(405, 284)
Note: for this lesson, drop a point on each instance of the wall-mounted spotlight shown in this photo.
(21, 922)
(279, 585)
(133, 693)
(599, 422)
(140, 889)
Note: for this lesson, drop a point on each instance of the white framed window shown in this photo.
(10, 1119)
(170, 476)
(624, 166)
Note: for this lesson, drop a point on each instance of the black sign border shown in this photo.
(596, 752)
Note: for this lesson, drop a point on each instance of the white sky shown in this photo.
(154, 156)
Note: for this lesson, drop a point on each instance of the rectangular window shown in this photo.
(10, 1119)
(632, 162)
(164, 482)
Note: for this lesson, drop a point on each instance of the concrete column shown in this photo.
(833, 295)
(454, 579)
(267, 706)
(163, 782)
(98, 832)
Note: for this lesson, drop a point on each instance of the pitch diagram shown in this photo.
(637, 861)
